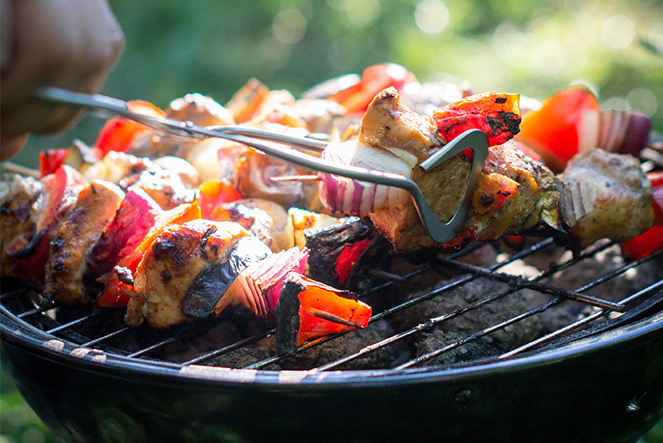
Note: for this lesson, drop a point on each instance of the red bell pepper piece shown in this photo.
(644, 244)
(119, 286)
(652, 239)
(492, 192)
(50, 160)
(496, 114)
(119, 133)
(348, 258)
(212, 194)
(30, 255)
(656, 179)
(60, 193)
(374, 79)
(133, 221)
(554, 130)
(308, 310)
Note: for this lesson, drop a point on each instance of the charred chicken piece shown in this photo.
(263, 218)
(200, 109)
(171, 264)
(605, 195)
(514, 193)
(247, 99)
(18, 209)
(114, 166)
(197, 108)
(252, 178)
(169, 181)
(95, 208)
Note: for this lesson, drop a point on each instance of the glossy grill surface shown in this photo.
(599, 292)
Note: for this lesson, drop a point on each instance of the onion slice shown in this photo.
(346, 196)
(258, 286)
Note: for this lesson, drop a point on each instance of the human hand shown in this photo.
(67, 43)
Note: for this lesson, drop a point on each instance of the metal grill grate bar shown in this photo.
(30, 310)
(580, 323)
(423, 326)
(107, 337)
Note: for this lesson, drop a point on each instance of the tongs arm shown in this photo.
(440, 231)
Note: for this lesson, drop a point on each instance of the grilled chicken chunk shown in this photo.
(168, 180)
(18, 211)
(514, 192)
(170, 266)
(263, 218)
(390, 125)
(605, 195)
(94, 209)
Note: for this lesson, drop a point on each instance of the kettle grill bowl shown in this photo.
(605, 387)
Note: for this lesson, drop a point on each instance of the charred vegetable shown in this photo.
(651, 240)
(497, 115)
(133, 220)
(308, 310)
(210, 286)
(258, 286)
(572, 121)
(30, 253)
(341, 253)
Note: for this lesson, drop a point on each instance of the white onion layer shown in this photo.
(347, 196)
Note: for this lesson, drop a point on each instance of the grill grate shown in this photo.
(601, 303)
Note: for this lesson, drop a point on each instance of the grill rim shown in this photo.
(35, 341)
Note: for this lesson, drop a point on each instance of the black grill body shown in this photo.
(602, 388)
(597, 379)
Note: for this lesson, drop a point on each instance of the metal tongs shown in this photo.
(440, 231)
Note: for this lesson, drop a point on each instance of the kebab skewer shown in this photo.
(162, 257)
(413, 137)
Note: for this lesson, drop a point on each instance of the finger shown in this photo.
(103, 41)
(9, 148)
(6, 33)
(76, 46)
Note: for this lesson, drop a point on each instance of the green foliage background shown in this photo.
(213, 46)
(533, 48)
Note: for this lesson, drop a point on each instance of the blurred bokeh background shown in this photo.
(533, 48)
(174, 47)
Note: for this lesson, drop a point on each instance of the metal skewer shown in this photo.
(440, 231)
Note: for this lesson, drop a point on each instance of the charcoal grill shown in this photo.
(596, 378)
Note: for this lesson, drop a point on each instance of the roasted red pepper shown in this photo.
(554, 130)
(656, 179)
(60, 193)
(119, 133)
(492, 192)
(50, 160)
(214, 193)
(133, 221)
(374, 79)
(652, 239)
(496, 114)
(119, 286)
(309, 310)
(348, 258)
